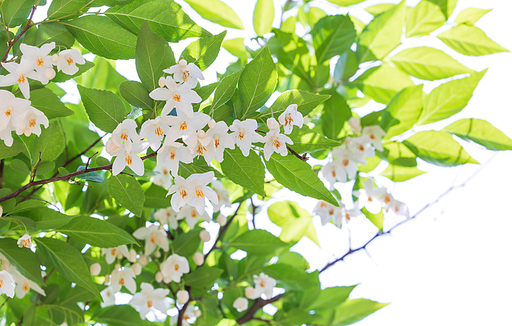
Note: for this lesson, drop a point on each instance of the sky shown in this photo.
(451, 265)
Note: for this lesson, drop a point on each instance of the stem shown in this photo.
(11, 43)
(260, 303)
(222, 230)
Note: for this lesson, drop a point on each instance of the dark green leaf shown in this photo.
(66, 8)
(127, 192)
(48, 219)
(332, 35)
(334, 115)
(25, 261)
(104, 108)
(225, 89)
(481, 132)
(50, 144)
(121, 315)
(248, 172)
(155, 197)
(47, 102)
(186, 244)
(203, 277)
(10, 151)
(15, 12)
(257, 242)
(136, 94)
(54, 32)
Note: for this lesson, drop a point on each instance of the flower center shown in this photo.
(372, 137)
(200, 149)
(26, 243)
(1, 283)
(345, 162)
(32, 122)
(176, 267)
(173, 155)
(21, 79)
(121, 281)
(241, 135)
(331, 211)
(199, 192)
(183, 194)
(183, 125)
(186, 75)
(361, 148)
(40, 62)
(288, 119)
(69, 60)
(277, 143)
(128, 160)
(176, 97)
(150, 303)
(217, 142)
(333, 172)
(397, 209)
(25, 287)
(323, 204)
(124, 136)
(159, 132)
(8, 112)
(387, 199)
(347, 216)
(165, 172)
(152, 239)
(194, 213)
(113, 252)
(262, 284)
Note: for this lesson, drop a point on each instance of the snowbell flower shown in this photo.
(360, 148)
(198, 182)
(222, 195)
(244, 134)
(30, 121)
(182, 297)
(125, 134)
(181, 193)
(183, 125)
(174, 267)
(189, 316)
(221, 139)
(191, 216)
(6, 284)
(25, 241)
(327, 212)
(201, 145)
(274, 141)
(185, 73)
(398, 208)
(241, 304)
(375, 133)
(171, 154)
(355, 123)
(68, 60)
(332, 172)
(346, 215)
(179, 96)
(369, 196)
(167, 216)
(123, 277)
(38, 58)
(162, 176)
(112, 253)
(23, 285)
(149, 298)
(129, 158)
(290, 117)
(154, 237)
(346, 161)
(19, 74)
(264, 284)
(154, 130)
(108, 296)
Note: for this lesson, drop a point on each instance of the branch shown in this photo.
(260, 303)
(11, 43)
(222, 230)
(62, 178)
(181, 311)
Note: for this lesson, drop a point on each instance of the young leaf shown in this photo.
(332, 35)
(257, 83)
(295, 222)
(334, 115)
(352, 311)
(47, 102)
(136, 94)
(203, 51)
(424, 18)
(127, 192)
(65, 8)
(298, 176)
(225, 89)
(401, 173)
(331, 297)
(469, 16)
(398, 154)
(306, 140)
(257, 242)
(248, 172)
(403, 111)
(263, 16)
(470, 40)
(102, 36)
(104, 108)
(25, 261)
(481, 132)
(305, 101)
(217, 12)
(15, 12)
(152, 56)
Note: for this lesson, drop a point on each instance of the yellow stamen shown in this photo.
(69, 60)
(150, 303)
(347, 216)
(387, 199)
(176, 267)
(159, 132)
(183, 194)
(165, 172)
(201, 149)
(113, 251)
(288, 119)
(331, 211)
(177, 97)
(323, 204)
(8, 112)
(372, 137)
(32, 122)
(1, 283)
(25, 287)
(199, 193)
(185, 75)
(124, 136)
(277, 143)
(26, 243)
(21, 79)
(173, 154)
(121, 281)
(345, 162)
(194, 213)
(333, 172)
(241, 135)
(361, 148)
(40, 62)
(183, 125)
(217, 143)
(128, 160)
(152, 239)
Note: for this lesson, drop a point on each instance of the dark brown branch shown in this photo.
(260, 303)
(11, 43)
(222, 230)
(253, 211)
(181, 311)
(62, 178)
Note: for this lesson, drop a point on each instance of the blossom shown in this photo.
(275, 142)
(264, 284)
(202, 145)
(181, 193)
(222, 195)
(198, 182)
(273, 124)
(129, 158)
(6, 283)
(38, 58)
(68, 60)
(189, 316)
(25, 241)
(332, 172)
(191, 215)
(23, 285)
(154, 130)
(123, 277)
(112, 253)
(29, 121)
(162, 176)
(375, 133)
(186, 126)
(291, 117)
(179, 96)
(149, 298)
(125, 134)
(360, 148)
(198, 258)
(369, 196)
(398, 208)
(244, 134)
(154, 237)
(204, 236)
(171, 154)
(241, 304)
(95, 269)
(327, 212)
(19, 74)
(346, 215)
(185, 73)
(108, 297)
(355, 123)
(174, 267)
(167, 216)
(221, 139)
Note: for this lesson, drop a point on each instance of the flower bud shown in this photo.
(167, 279)
(55, 58)
(205, 236)
(272, 123)
(161, 82)
(95, 269)
(250, 292)
(159, 277)
(241, 304)
(107, 279)
(355, 123)
(183, 63)
(221, 219)
(182, 297)
(117, 267)
(157, 254)
(110, 147)
(119, 255)
(132, 255)
(211, 124)
(197, 313)
(137, 269)
(49, 73)
(198, 258)
(143, 260)
(201, 134)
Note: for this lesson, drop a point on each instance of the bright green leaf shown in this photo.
(334, 115)
(352, 311)
(65, 8)
(48, 219)
(247, 171)
(236, 47)
(332, 35)
(136, 94)
(378, 9)
(401, 173)
(15, 12)
(345, 3)
(225, 89)
(127, 192)
(481, 132)
(305, 101)
(121, 315)
(203, 277)
(470, 40)
(203, 51)
(403, 111)
(263, 16)
(25, 261)
(186, 244)
(307, 140)
(424, 18)
(294, 221)
(469, 16)
(54, 32)
(47, 102)
(104, 108)
(331, 297)
(217, 12)
(398, 154)
(257, 242)
(50, 144)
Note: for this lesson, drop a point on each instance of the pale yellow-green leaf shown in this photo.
(263, 16)
(398, 173)
(217, 12)
(469, 16)
(481, 132)
(470, 40)
(236, 47)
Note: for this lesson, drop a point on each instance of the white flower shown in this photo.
(291, 117)
(38, 58)
(275, 142)
(191, 215)
(182, 297)
(201, 145)
(179, 96)
(222, 195)
(327, 212)
(108, 297)
(250, 292)
(221, 139)
(68, 60)
(137, 268)
(198, 182)
(333, 172)
(112, 253)
(29, 121)
(154, 130)
(162, 176)
(10, 106)
(361, 148)
(346, 161)
(171, 154)
(189, 316)
(167, 216)
(181, 193)
(6, 283)
(346, 215)
(369, 197)
(158, 276)
(185, 73)
(153, 237)
(273, 124)
(25, 241)
(241, 304)
(355, 123)
(129, 158)
(398, 208)
(174, 267)
(264, 284)
(149, 298)
(221, 219)
(123, 277)
(23, 285)
(125, 134)
(375, 133)
(19, 74)
(183, 125)
(244, 134)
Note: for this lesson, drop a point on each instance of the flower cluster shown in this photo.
(263, 284)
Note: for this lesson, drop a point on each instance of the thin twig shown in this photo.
(11, 43)
(222, 230)
(260, 303)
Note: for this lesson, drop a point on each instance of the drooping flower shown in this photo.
(180, 96)
(30, 121)
(149, 298)
(198, 183)
(346, 161)
(167, 216)
(6, 284)
(290, 117)
(360, 148)
(174, 267)
(182, 297)
(123, 277)
(130, 158)
(38, 58)
(241, 304)
(327, 212)
(370, 196)
(23, 286)
(154, 237)
(25, 241)
(244, 134)
(154, 130)
(162, 176)
(375, 133)
(264, 284)
(19, 74)
(189, 316)
(68, 60)
(275, 142)
(222, 195)
(191, 215)
(171, 154)
(398, 208)
(221, 139)
(201, 145)
(355, 123)
(125, 134)
(112, 253)
(108, 295)
(346, 215)
(181, 193)
(332, 172)
(184, 126)
(185, 73)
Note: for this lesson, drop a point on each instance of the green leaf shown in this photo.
(186, 244)
(428, 63)
(398, 154)
(314, 15)
(203, 277)
(48, 219)
(257, 242)
(257, 83)
(295, 222)
(47, 102)
(332, 35)
(382, 35)
(470, 40)
(155, 197)
(307, 140)
(481, 132)
(15, 12)
(10, 151)
(25, 261)
(352, 311)
(345, 3)
(19, 166)
(152, 56)
(69, 262)
(50, 144)
(331, 297)
(136, 94)
(127, 192)
(469, 16)
(102, 76)
(305, 101)
(383, 82)
(298, 176)
(54, 32)
(65, 8)
(103, 37)
(203, 51)
(263, 16)
(438, 148)
(379, 9)
(121, 315)
(403, 111)
(449, 98)
(334, 115)
(401, 173)
(104, 108)
(248, 172)
(424, 18)
(96, 232)
(225, 89)
(217, 12)
(165, 17)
